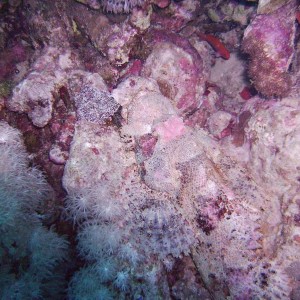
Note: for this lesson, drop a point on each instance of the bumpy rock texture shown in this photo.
(179, 173)
(269, 40)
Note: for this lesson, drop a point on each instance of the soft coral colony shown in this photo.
(31, 249)
(149, 149)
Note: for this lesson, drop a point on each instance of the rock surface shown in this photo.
(179, 173)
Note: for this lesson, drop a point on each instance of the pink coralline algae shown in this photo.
(171, 129)
(11, 58)
(269, 40)
(162, 3)
(146, 145)
(176, 15)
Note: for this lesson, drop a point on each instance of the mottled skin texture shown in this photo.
(185, 84)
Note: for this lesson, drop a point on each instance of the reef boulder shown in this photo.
(269, 40)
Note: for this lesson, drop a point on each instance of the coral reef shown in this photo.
(168, 137)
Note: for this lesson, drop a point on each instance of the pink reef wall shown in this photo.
(170, 132)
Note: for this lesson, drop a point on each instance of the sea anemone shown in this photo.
(98, 240)
(122, 280)
(106, 269)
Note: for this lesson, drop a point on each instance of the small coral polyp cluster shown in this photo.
(128, 242)
(161, 138)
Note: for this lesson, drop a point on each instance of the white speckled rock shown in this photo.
(274, 135)
(97, 155)
(35, 94)
(143, 105)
